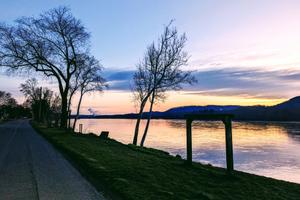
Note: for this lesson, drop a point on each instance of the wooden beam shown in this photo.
(229, 149)
(189, 141)
(208, 116)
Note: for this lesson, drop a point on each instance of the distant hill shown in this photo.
(181, 111)
(292, 103)
(286, 111)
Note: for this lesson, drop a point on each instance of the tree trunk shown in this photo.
(137, 126)
(138, 121)
(148, 120)
(78, 110)
(64, 110)
(69, 105)
(40, 111)
(69, 110)
(40, 105)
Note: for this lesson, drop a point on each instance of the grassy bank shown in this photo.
(138, 173)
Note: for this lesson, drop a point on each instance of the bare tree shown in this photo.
(39, 98)
(162, 64)
(55, 108)
(33, 95)
(7, 99)
(74, 86)
(31, 90)
(48, 44)
(88, 79)
(141, 91)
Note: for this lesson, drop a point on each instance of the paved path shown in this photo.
(30, 168)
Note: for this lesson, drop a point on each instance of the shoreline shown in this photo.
(171, 118)
(129, 172)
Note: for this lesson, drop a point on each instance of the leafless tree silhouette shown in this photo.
(160, 71)
(49, 44)
(87, 79)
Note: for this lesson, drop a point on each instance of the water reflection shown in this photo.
(265, 148)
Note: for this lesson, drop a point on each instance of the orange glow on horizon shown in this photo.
(118, 102)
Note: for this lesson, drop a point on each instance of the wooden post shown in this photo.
(189, 141)
(80, 128)
(229, 149)
(226, 118)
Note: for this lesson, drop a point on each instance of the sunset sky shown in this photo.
(242, 52)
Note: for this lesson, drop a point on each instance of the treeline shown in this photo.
(56, 45)
(9, 109)
(43, 102)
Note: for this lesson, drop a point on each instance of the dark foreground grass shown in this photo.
(129, 172)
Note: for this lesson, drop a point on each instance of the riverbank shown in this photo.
(130, 172)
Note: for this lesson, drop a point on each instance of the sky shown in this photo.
(241, 52)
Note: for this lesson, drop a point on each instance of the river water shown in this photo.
(265, 148)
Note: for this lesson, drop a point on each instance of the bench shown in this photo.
(104, 135)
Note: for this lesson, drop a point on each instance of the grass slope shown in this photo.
(131, 172)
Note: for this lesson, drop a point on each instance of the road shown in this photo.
(30, 168)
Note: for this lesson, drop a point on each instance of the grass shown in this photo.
(130, 172)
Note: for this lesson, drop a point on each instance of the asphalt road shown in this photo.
(30, 168)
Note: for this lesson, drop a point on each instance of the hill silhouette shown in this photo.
(285, 111)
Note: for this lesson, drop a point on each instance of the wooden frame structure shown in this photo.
(226, 119)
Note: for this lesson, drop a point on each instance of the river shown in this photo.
(270, 149)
